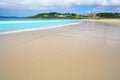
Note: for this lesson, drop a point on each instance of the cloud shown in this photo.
(99, 9)
(47, 4)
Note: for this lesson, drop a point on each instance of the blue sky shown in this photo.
(32, 7)
(27, 12)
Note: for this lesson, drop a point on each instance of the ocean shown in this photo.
(10, 25)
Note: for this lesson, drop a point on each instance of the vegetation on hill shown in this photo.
(76, 16)
(108, 15)
(56, 15)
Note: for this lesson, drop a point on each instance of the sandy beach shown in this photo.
(110, 21)
(86, 51)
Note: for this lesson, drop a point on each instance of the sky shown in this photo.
(23, 8)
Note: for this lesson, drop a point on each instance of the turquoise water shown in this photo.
(15, 24)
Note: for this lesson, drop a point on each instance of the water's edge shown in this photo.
(33, 29)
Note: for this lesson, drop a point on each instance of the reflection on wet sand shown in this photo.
(88, 51)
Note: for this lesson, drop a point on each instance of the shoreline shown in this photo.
(35, 29)
(109, 21)
(85, 51)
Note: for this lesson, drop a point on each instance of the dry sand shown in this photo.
(87, 51)
(110, 21)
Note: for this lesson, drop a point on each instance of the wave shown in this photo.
(11, 22)
(33, 29)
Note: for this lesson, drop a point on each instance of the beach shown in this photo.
(86, 51)
(110, 21)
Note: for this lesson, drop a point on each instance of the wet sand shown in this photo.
(86, 51)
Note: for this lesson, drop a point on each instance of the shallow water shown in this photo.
(15, 24)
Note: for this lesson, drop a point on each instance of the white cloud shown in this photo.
(99, 9)
(46, 4)
(115, 2)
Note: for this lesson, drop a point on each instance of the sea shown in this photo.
(13, 25)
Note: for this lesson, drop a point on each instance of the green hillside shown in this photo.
(75, 16)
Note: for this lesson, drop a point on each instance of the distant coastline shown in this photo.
(56, 15)
(10, 17)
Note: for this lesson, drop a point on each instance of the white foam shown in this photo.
(33, 29)
(12, 22)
